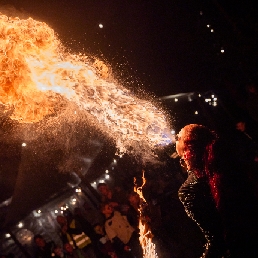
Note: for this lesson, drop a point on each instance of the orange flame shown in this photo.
(38, 77)
(145, 233)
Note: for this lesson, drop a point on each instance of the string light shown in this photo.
(24, 144)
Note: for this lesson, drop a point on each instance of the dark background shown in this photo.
(162, 46)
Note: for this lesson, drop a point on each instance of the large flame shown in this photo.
(38, 76)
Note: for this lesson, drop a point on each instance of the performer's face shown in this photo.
(180, 143)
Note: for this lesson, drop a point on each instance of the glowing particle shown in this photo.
(100, 25)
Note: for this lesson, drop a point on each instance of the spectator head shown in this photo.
(68, 248)
(98, 228)
(103, 189)
(106, 209)
(61, 220)
(39, 241)
(58, 251)
(134, 198)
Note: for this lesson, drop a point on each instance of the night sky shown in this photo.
(164, 47)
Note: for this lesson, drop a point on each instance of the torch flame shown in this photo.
(145, 233)
(38, 76)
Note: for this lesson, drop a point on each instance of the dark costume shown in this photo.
(195, 195)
